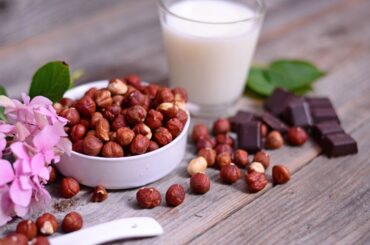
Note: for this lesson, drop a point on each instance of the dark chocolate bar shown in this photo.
(277, 102)
(322, 114)
(340, 144)
(297, 113)
(320, 130)
(274, 123)
(240, 118)
(249, 136)
(319, 102)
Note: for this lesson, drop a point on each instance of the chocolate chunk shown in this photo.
(319, 102)
(240, 118)
(320, 130)
(249, 136)
(340, 144)
(320, 114)
(277, 102)
(274, 123)
(298, 113)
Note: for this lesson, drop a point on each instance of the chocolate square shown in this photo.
(277, 102)
(322, 114)
(249, 136)
(340, 144)
(320, 130)
(319, 102)
(298, 113)
(240, 118)
(273, 122)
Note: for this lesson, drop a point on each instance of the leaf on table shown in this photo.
(2, 115)
(258, 83)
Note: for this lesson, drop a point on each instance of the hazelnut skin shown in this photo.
(92, 145)
(66, 102)
(78, 131)
(118, 122)
(164, 95)
(209, 154)
(223, 148)
(162, 136)
(69, 187)
(143, 129)
(148, 197)
(223, 159)
(168, 109)
(241, 158)
(135, 98)
(154, 119)
(280, 174)
(230, 173)
(262, 157)
(118, 100)
(204, 143)
(40, 240)
(175, 195)
(78, 146)
(200, 183)
(125, 136)
(224, 139)
(53, 175)
(112, 150)
(100, 194)
(256, 166)
(297, 136)
(256, 181)
(14, 239)
(151, 90)
(91, 92)
(221, 126)
(86, 106)
(72, 115)
(274, 140)
(133, 80)
(136, 114)
(182, 116)
(175, 127)
(27, 228)
(180, 94)
(47, 224)
(103, 98)
(72, 222)
(197, 165)
(139, 144)
(200, 131)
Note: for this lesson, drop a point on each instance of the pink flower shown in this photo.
(6, 172)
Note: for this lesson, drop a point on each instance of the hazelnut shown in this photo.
(264, 130)
(112, 149)
(223, 148)
(118, 100)
(91, 92)
(78, 146)
(66, 102)
(58, 107)
(95, 117)
(40, 240)
(117, 87)
(224, 139)
(181, 105)
(27, 228)
(182, 116)
(72, 222)
(52, 175)
(102, 129)
(164, 95)
(168, 109)
(14, 239)
(135, 98)
(297, 136)
(152, 146)
(162, 136)
(280, 174)
(136, 114)
(221, 126)
(118, 122)
(175, 127)
(209, 154)
(197, 165)
(223, 159)
(148, 197)
(241, 158)
(256, 166)
(200, 131)
(133, 80)
(72, 115)
(139, 144)
(78, 132)
(180, 94)
(92, 145)
(204, 143)
(154, 119)
(256, 181)
(111, 112)
(274, 140)
(151, 90)
(100, 194)
(47, 224)
(125, 136)
(230, 173)
(262, 157)
(200, 183)
(175, 195)
(103, 98)
(69, 187)
(86, 106)
(143, 129)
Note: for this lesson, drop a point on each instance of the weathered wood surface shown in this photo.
(327, 201)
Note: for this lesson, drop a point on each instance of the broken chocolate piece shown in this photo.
(319, 102)
(274, 123)
(340, 144)
(298, 114)
(249, 136)
(240, 118)
(277, 102)
(322, 114)
(320, 130)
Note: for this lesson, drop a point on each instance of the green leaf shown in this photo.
(258, 82)
(77, 74)
(51, 80)
(302, 90)
(2, 115)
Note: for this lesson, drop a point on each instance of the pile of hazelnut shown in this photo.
(125, 118)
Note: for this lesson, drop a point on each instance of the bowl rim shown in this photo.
(127, 158)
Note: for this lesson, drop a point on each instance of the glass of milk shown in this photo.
(209, 46)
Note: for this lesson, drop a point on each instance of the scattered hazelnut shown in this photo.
(66, 102)
(78, 131)
(274, 140)
(103, 98)
(200, 131)
(262, 157)
(118, 122)
(136, 114)
(72, 115)
(92, 145)
(223, 159)
(40, 240)
(117, 87)
(209, 154)
(102, 129)
(264, 130)
(224, 139)
(52, 175)
(148, 197)
(14, 239)
(100, 194)
(152, 146)
(241, 158)
(297, 136)
(223, 148)
(139, 144)
(154, 119)
(221, 126)
(112, 150)
(162, 136)
(256, 181)
(204, 143)
(72, 222)
(180, 94)
(280, 174)
(200, 183)
(86, 106)
(143, 129)
(230, 173)
(27, 228)
(125, 136)
(197, 165)
(175, 127)
(47, 224)
(69, 187)
(256, 166)
(164, 95)
(175, 195)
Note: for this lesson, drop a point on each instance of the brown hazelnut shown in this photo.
(221, 126)
(230, 173)
(135, 98)
(200, 131)
(118, 122)
(262, 157)
(256, 181)
(182, 116)
(117, 87)
(175, 127)
(111, 112)
(223, 148)
(78, 132)
(69, 187)
(95, 117)
(86, 106)
(58, 107)
(100, 194)
(152, 146)
(209, 154)
(72, 115)
(297, 136)
(136, 114)
(40, 240)
(164, 95)
(72, 222)
(197, 165)
(14, 239)
(53, 175)
(133, 80)
(224, 139)
(47, 224)
(154, 119)
(200, 183)
(78, 146)
(264, 130)
(151, 90)
(256, 166)
(223, 159)
(175, 195)
(143, 129)
(125, 136)
(27, 228)
(274, 140)
(103, 98)
(118, 100)
(91, 92)
(91, 132)
(241, 158)
(280, 174)
(148, 197)
(180, 94)
(139, 144)
(112, 150)
(162, 136)
(92, 145)
(168, 109)
(66, 102)
(102, 129)
(204, 143)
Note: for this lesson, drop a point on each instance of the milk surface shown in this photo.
(210, 59)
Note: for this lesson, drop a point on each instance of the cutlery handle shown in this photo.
(114, 230)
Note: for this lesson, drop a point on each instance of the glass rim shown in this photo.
(260, 11)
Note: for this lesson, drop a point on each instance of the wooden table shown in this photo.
(327, 201)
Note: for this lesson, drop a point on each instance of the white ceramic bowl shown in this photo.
(124, 172)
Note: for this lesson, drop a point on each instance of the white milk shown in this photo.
(210, 60)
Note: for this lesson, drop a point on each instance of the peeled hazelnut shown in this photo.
(148, 197)
(181, 105)
(168, 109)
(112, 150)
(197, 165)
(95, 117)
(47, 224)
(262, 157)
(274, 140)
(102, 129)
(100, 194)
(200, 183)
(164, 95)
(224, 139)
(152, 146)
(117, 87)
(200, 131)
(103, 98)
(118, 122)
(143, 129)
(230, 173)
(78, 146)
(256, 166)
(52, 175)
(162, 136)
(133, 80)
(86, 106)
(69, 187)
(136, 114)
(40, 240)
(125, 136)
(72, 115)
(151, 90)
(118, 100)
(154, 119)
(280, 174)
(204, 143)
(264, 130)
(27, 228)
(180, 94)
(256, 181)
(182, 116)
(223, 159)
(297, 136)
(14, 239)
(139, 144)
(78, 131)
(72, 222)
(241, 158)
(135, 98)
(91, 92)
(175, 127)
(58, 107)
(92, 145)
(221, 126)
(175, 195)
(209, 154)
(223, 148)
(66, 102)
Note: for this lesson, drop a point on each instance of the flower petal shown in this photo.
(37, 163)
(6, 102)
(5, 206)
(19, 197)
(21, 131)
(41, 101)
(19, 150)
(6, 172)
(47, 138)
(25, 182)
